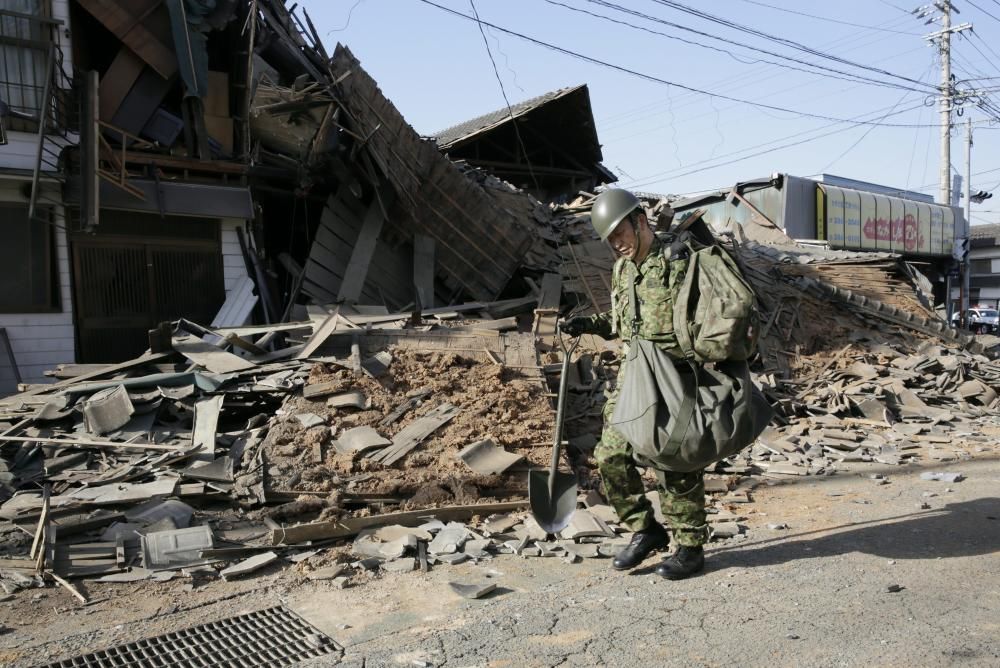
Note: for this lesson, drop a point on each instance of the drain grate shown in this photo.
(269, 638)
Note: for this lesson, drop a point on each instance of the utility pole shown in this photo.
(945, 102)
(964, 297)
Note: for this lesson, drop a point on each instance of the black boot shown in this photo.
(685, 562)
(643, 542)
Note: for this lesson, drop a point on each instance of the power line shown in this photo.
(510, 111)
(743, 80)
(865, 134)
(848, 76)
(992, 16)
(902, 9)
(827, 19)
(654, 79)
(648, 17)
(778, 39)
(653, 178)
(616, 126)
(986, 44)
(645, 111)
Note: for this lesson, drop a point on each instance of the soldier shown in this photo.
(618, 218)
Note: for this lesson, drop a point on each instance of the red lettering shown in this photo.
(911, 233)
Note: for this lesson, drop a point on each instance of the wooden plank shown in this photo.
(354, 525)
(415, 433)
(81, 443)
(321, 334)
(38, 543)
(70, 588)
(208, 356)
(117, 82)
(423, 269)
(254, 330)
(206, 424)
(104, 370)
(317, 390)
(551, 293)
(121, 18)
(361, 256)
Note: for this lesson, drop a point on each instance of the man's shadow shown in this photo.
(963, 529)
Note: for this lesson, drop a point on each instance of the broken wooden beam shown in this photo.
(352, 526)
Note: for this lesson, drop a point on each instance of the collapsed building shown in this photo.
(315, 337)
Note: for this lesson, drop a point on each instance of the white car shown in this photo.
(980, 321)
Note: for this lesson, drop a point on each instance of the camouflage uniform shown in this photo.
(682, 495)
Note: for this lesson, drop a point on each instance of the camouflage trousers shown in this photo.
(682, 495)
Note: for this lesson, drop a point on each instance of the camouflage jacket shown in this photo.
(655, 300)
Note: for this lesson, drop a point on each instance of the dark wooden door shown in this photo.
(125, 285)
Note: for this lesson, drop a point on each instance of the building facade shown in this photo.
(97, 250)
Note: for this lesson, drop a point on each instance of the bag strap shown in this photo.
(684, 416)
(633, 305)
(616, 274)
(683, 333)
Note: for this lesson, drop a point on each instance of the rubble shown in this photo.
(387, 416)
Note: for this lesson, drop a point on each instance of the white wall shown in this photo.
(233, 267)
(19, 152)
(22, 147)
(39, 341)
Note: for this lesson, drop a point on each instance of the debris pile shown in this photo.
(366, 428)
(182, 457)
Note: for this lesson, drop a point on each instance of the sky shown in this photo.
(751, 114)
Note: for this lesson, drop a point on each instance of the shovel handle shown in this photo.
(560, 405)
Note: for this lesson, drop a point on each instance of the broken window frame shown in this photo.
(25, 41)
(34, 265)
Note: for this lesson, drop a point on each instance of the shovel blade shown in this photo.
(552, 511)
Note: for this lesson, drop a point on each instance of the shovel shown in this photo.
(553, 496)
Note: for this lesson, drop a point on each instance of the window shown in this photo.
(981, 266)
(24, 49)
(29, 280)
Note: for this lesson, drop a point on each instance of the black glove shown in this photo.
(576, 326)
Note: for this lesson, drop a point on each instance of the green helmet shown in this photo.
(610, 208)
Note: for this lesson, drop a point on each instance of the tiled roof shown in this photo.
(984, 231)
(446, 138)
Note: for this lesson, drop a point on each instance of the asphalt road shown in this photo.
(816, 594)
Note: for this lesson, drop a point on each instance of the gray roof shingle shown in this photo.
(985, 231)
(449, 136)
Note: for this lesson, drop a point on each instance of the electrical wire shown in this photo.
(743, 80)
(346, 25)
(825, 71)
(827, 19)
(985, 44)
(609, 131)
(651, 78)
(645, 111)
(654, 178)
(506, 61)
(648, 17)
(913, 150)
(778, 39)
(863, 136)
(510, 111)
(992, 16)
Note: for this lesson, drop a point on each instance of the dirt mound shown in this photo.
(510, 407)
